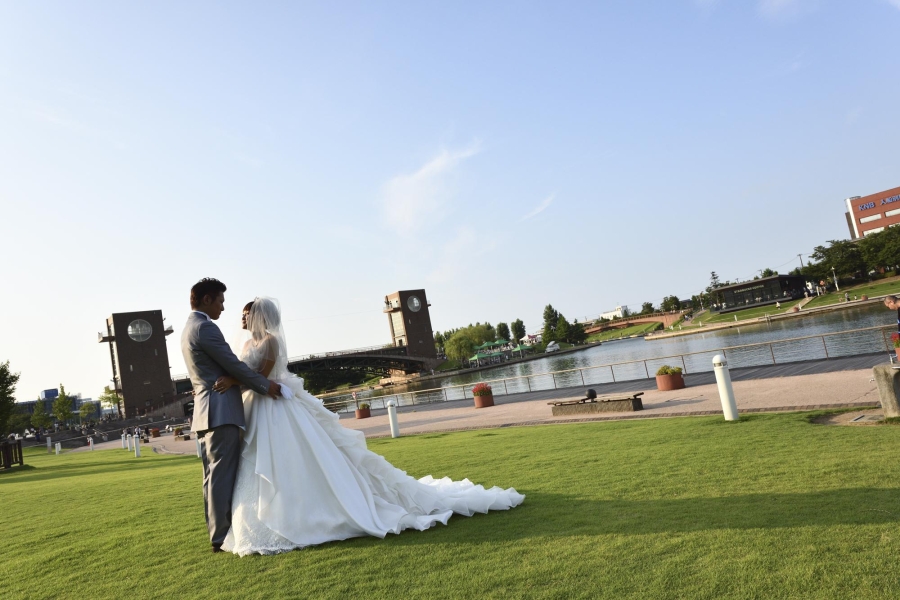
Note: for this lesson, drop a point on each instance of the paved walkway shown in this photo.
(835, 383)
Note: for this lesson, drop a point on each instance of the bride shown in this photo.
(304, 479)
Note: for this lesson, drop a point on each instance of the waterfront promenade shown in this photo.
(834, 383)
(818, 384)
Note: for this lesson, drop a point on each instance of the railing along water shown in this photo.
(825, 345)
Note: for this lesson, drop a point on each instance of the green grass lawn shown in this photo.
(768, 507)
(749, 313)
(614, 334)
(881, 288)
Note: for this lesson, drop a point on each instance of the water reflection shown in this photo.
(653, 353)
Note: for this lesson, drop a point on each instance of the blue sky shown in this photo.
(501, 155)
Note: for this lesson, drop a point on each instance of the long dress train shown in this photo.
(304, 479)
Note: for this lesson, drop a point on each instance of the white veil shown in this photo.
(265, 338)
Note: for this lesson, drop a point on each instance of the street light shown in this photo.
(835, 280)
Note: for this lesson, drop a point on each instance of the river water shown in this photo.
(638, 358)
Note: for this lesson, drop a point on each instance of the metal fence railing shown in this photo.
(822, 346)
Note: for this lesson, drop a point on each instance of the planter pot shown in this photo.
(863, 297)
(666, 383)
(484, 401)
(795, 309)
(363, 413)
(154, 432)
(897, 352)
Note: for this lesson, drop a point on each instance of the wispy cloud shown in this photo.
(457, 253)
(409, 200)
(540, 207)
(895, 3)
(780, 10)
(853, 115)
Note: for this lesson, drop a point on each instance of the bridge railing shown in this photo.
(370, 349)
(827, 345)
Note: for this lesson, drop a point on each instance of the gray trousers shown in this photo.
(221, 450)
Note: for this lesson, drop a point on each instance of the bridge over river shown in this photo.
(375, 359)
(666, 318)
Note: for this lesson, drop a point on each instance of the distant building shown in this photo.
(759, 292)
(410, 322)
(140, 360)
(77, 401)
(870, 214)
(609, 316)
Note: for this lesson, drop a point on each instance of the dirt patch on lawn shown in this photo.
(869, 416)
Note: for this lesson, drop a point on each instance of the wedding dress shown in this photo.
(304, 479)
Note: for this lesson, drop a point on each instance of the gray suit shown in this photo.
(218, 417)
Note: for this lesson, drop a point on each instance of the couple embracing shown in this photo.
(279, 470)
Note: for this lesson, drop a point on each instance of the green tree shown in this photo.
(562, 329)
(62, 406)
(518, 329)
(626, 312)
(8, 381)
(503, 331)
(110, 399)
(844, 256)
(670, 303)
(767, 272)
(881, 251)
(577, 334)
(551, 318)
(18, 421)
(86, 410)
(647, 308)
(40, 418)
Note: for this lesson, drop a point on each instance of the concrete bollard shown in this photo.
(49, 446)
(137, 447)
(124, 445)
(199, 448)
(128, 439)
(726, 392)
(392, 416)
(58, 448)
(91, 443)
(887, 381)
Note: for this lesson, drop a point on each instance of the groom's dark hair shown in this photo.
(205, 287)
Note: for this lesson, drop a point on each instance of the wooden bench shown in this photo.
(609, 403)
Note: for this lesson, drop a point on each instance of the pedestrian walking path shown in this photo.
(834, 383)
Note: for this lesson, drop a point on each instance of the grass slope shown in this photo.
(614, 334)
(768, 507)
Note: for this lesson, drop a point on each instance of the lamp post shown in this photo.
(835, 279)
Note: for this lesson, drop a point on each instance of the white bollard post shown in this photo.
(91, 443)
(199, 449)
(124, 445)
(58, 448)
(392, 415)
(137, 447)
(49, 445)
(128, 439)
(726, 392)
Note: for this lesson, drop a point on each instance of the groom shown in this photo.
(218, 416)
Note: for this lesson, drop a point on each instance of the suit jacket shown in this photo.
(209, 357)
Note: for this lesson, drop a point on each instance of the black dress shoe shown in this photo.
(216, 549)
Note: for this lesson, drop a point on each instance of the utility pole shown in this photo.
(800, 256)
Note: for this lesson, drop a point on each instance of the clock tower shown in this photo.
(140, 361)
(410, 323)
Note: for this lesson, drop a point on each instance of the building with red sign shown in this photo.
(871, 214)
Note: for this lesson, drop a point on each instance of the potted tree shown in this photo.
(669, 378)
(484, 395)
(363, 410)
